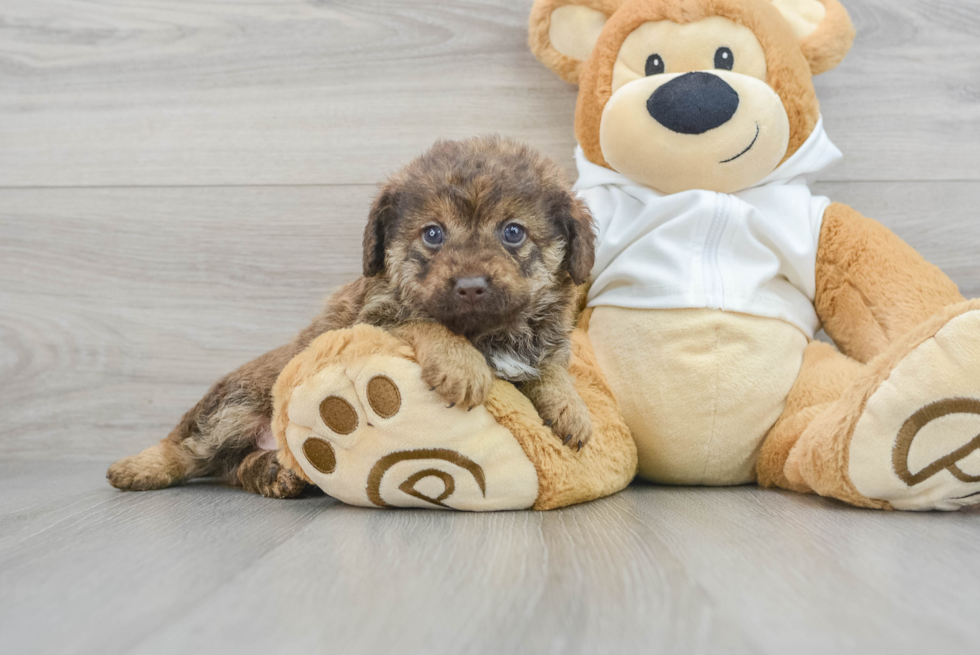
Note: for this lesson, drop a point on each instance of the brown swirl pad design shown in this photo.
(915, 443)
(451, 456)
(912, 427)
(449, 486)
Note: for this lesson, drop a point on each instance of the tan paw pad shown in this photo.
(370, 432)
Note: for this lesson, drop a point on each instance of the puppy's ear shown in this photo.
(575, 221)
(380, 221)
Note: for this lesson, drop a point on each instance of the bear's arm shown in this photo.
(872, 287)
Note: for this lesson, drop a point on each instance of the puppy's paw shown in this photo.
(261, 473)
(568, 416)
(460, 375)
(156, 467)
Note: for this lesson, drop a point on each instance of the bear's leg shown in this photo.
(872, 287)
(904, 433)
(824, 377)
(354, 415)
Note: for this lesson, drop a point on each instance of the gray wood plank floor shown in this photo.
(181, 183)
(205, 568)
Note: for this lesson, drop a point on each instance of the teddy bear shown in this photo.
(697, 126)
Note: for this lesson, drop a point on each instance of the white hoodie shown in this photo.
(752, 252)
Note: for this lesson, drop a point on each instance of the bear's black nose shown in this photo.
(693, 103)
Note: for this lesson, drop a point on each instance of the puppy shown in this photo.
(472, 254)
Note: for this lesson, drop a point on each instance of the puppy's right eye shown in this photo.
(514, 234)
(433, 236)
(655, 65)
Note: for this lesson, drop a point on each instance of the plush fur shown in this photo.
(344, 347)
(877, 298)
(788, 71)
(819, 459)
(564, 476)
(895, 318)
(539, 40)
(823, 378)
(873, 288)
(790, 65)
(827, 46)
(473, 190)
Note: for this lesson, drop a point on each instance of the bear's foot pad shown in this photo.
(369, 432)
(930, 407)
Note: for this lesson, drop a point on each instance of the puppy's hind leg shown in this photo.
(159, 466)
(219, 433)
(217, 438)
(214, 437)
(211, 439)
(229, 444)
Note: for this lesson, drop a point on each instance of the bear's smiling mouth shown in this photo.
(756, 138)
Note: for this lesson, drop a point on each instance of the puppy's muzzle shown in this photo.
(471, 290)
(693, 103)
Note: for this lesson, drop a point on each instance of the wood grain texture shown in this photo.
(88, 569)
(121, 306)
(225, 154)
(140, 92)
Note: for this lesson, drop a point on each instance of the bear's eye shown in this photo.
(655, 65)
(513, 234)
(433, 236)
(724, 59)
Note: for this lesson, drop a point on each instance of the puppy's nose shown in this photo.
(693, 103)
(471, 289)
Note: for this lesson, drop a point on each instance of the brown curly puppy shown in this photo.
(475, 243)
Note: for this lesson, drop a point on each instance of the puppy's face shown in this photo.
(479, 232)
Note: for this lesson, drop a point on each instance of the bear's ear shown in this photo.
(562, 33)
(823, 29)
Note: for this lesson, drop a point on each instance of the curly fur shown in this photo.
(473, 188)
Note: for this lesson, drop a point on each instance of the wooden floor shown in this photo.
(181, 182)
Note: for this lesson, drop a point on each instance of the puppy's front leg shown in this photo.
(450, 364)
(560, 406)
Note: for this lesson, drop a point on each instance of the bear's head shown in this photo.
(692, 94)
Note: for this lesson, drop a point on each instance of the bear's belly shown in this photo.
(699, 388)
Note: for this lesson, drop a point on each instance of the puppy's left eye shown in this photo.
(514, 234)
(433, 236)
(724, 59)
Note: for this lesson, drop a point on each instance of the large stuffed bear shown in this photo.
(697, 125)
